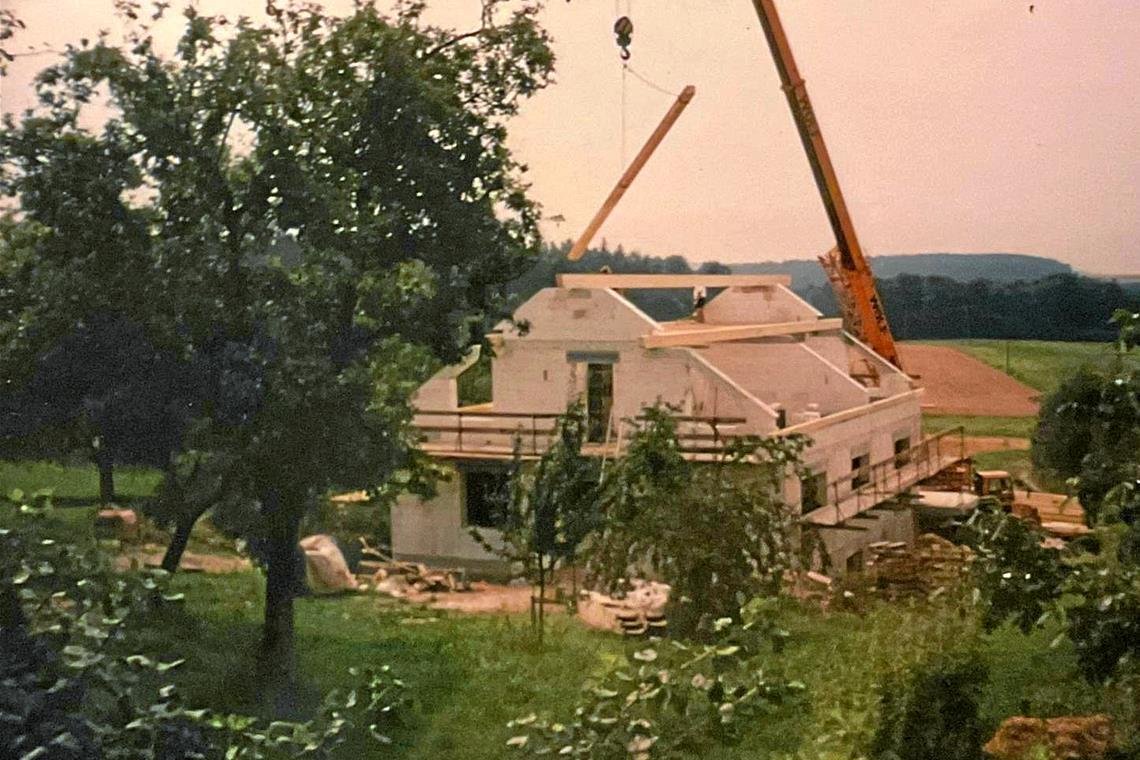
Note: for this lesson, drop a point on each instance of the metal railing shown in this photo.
(471, 431)
(878, 482)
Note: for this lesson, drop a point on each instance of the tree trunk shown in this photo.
(541, 599)
(11, 611)
(182, 528)
(106, 477)
(277, 667)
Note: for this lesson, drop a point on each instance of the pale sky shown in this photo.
(955, 125)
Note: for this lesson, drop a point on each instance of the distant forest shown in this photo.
(1058, 306)
(659, 304)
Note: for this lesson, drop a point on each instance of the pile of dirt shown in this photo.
(957, 383)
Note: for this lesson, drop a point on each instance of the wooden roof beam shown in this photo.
(664, 281)
(723, 333)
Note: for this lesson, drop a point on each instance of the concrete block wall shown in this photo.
(758, 305)
(788, 372)
(434, 528)
(536, 371)
(835, 445)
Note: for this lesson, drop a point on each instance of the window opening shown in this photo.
(485, 496)
(599, 400)
(860, 470)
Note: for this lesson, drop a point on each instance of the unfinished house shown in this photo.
(753, 359)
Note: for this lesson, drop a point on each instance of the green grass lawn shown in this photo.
(1007, 427)
(73, 484)
(470, 674)
(1040, 364)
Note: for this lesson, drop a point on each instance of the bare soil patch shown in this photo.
(482, 598)
(957, 383)
(978, 444)
(192, 562)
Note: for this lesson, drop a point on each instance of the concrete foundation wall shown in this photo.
(884, 525)
(435, 528)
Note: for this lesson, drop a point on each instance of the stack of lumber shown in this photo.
(932, 563)
(956, 477)
(1057, 514)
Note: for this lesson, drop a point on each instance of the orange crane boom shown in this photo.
(847, 268)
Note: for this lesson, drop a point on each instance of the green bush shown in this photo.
(1016, 577)
(74, 687)
(932, 713)
(668, 699)
(1104, 619)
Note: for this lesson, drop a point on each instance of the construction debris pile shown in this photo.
(933, 563)
(400, 579)
(1023, 738)
(641, 612)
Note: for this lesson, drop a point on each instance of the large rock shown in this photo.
(326, 572)
(1085, 737)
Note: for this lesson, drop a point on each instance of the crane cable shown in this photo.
(623, 30)
(624, 68)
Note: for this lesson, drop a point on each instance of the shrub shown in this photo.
(70, 688)
(1104, 619)
(1016, 577)
(667, 698)
(717, 532)
(932, 713)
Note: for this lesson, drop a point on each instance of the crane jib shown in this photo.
(855, 286)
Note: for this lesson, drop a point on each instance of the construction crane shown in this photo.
(846, 267)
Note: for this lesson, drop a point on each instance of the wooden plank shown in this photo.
(630, 174)
(487, 415)
(724, 333)
(676, 281)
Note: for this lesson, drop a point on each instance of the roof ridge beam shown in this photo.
(666, 281)
(726, 333)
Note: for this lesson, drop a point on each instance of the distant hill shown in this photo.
(963, 267)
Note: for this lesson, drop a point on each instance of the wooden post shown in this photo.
(632, 171)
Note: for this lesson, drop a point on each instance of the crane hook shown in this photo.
(623, 30)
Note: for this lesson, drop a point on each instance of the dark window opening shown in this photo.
(781, 418)
(860, 470)
(474, 383)
(902, 451)
(855, 562)
(813, 491)
(485, 497)
(599, 401)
